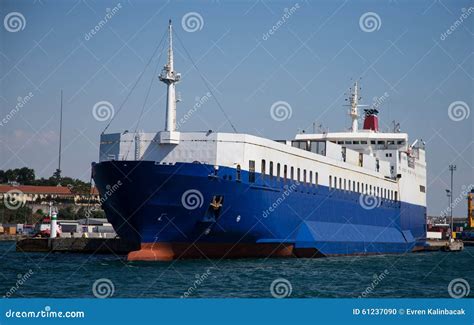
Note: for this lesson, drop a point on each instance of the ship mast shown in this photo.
(170, 78)
(354, 101)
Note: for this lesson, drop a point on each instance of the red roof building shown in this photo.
(40, 194)
(31, 189)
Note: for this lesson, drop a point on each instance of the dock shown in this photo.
(77, 245)
(445, 245)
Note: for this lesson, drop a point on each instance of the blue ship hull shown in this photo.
(193, 210)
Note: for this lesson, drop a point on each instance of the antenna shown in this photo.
(396, 126)
(58, 171)
(354, 104)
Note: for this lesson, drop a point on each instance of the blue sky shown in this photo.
(308, 62)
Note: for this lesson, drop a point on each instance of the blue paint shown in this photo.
(147, 207)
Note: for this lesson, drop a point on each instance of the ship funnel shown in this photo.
(371, 120)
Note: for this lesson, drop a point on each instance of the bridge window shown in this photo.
(298, 174)
(278, 171)
(330, 182)
(251, 171)
(311, 177)
(316, 181)
(263, 167)
(285, 172)
(271, 169)
(304, 175)
(292, 173)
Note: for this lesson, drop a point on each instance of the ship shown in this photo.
(231, 195)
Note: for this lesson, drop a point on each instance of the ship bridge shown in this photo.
(364, 141)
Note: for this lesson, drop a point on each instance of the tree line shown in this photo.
(27, 176)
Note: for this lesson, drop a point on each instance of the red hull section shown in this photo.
(168, 251)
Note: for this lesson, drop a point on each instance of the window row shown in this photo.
(379, 142)
(359, 187)
(283, 172)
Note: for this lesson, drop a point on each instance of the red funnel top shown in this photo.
(371, 120)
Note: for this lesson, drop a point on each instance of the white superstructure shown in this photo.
(380, 164)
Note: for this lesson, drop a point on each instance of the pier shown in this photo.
(76, 245)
